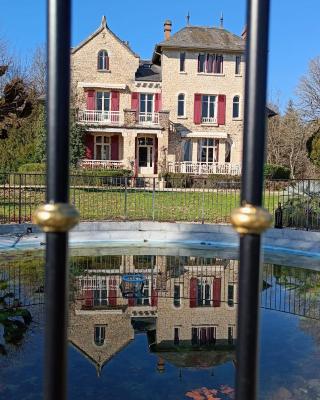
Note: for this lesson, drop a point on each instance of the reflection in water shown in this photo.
(185, 306)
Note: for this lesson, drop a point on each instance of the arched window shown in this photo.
(236, 107)
(103, 60)
(181, 105)
(99, 335)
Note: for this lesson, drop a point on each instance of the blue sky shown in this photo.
(294, 37)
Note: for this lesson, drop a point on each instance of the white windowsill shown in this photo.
(182, 117)
(105, 71)
(209, 124)
(237, 119)
(183, 72)
(238, 75)
(209, 74)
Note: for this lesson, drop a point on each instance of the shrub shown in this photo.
(32, 167)
(273, 171)
(216, 181)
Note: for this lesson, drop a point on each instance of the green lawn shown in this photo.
(117, 204)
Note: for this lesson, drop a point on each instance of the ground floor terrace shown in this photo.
(148, 153)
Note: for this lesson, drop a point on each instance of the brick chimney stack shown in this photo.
(167, 29)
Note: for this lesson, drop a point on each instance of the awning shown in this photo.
(100, 85)
(215, 135)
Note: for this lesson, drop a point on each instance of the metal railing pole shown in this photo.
(250, 220)
(57, 216)
(153, 196)
(20, 199)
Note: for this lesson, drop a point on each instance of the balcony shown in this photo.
(99, 117)
(209, 120)
(101, 164)
(148, 119)
(203, 168)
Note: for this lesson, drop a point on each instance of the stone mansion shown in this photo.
(181, 111)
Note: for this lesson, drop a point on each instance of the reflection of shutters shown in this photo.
(88, 298)
(89, 145)
(136, 157)
(193, 292)
(91, 100)
(216, 288)
(194, 336)
(154, 298)
(115, 101)
(131, 302)
(221, 109)
(155, 146)
(112, 292)
(197, 109)
(157, 105)
(115, 148)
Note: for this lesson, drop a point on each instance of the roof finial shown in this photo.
(104, 21)
(221, 20)
(188, 19)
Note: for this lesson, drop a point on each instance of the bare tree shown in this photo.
(309, 91)
(38, 71)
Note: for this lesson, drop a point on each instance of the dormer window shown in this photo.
(210, 63)
(103, 60)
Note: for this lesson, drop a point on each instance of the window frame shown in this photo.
(182, 64)
(146, 101)
(103, 99)
(183, 101)
(203, 63)
(104, 143)
(237, 68)
(237, 104)
(207, 108)
(102, 56)
(99, 333)
(207, 146)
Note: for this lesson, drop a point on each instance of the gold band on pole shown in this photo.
(250, 219)
(56, 217)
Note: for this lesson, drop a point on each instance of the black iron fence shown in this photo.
(293, 203)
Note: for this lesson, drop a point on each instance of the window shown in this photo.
(103, 60)
(209, 150)
(187, 150)
(204, 335)
(210, 63)
(182, 62)
(238, 65)
(146, 103)
(236, 107)
(102, 148)
(144, 262)
(103, 101)
(99, 335)
(230, 334)
(209, 109)
(145, 299)
(177, 296)
(176, 339)
(230, 295)
(204, 294)
(181, 105)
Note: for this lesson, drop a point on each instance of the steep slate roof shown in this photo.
(149, 72)
(203, 38)
(103, 26)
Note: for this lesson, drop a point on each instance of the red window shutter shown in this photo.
(112, 295)
(115, 101)
(88, 298)
(157, 105)
(197, 108)
(131, 301)
(193, 292)
(221, 109)
(91, 104)
(155, 152)
(115, 148)
(89, 146)
(216, 289)
(135, 101)
(154, 298)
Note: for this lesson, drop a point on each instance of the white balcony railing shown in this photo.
(203, 168)
(149, 118)
(99, 117)
(209, 120)
(103, 164)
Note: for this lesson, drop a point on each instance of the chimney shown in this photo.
(244, 33)
(167, 29)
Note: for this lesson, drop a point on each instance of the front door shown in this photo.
(145, 155)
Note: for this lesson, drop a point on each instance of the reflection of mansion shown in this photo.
(180, 112)
(188, 304)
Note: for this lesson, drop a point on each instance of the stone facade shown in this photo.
(129, 106)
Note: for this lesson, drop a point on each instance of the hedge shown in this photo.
(214, 181)
(273, 171)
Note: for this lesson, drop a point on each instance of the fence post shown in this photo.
(202, 218)
(20, 196)
(308, 205)
(125, 197)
